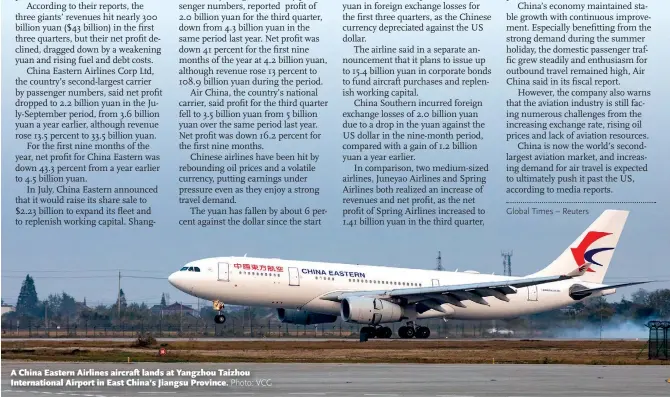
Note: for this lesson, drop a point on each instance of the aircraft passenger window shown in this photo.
(197, 269)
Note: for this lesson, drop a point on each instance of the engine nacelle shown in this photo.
(574, 292)
(301, 317)
(370, 311)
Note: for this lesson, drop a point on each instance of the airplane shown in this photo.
(306, 293)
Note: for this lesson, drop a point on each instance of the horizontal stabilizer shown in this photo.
(586, 292)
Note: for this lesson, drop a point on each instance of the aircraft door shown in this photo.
(224, 271)
(293, 276)
(532, 293)
(436, 282)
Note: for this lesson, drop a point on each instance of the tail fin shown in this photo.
(588, 257)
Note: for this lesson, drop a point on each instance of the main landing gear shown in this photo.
(410, 331)
(377, 332)
(219, 318)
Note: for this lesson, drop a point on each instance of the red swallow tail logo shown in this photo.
(582, 256)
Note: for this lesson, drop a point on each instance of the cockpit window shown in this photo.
(196, 269)
(190, 269)
(183, 268)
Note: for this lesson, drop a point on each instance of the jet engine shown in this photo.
(370, 311)
(301, 317)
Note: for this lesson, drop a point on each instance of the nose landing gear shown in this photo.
(218, 306)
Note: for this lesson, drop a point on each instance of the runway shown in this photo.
(364, 380)
(302, 339)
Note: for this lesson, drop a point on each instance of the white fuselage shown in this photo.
(299, 285)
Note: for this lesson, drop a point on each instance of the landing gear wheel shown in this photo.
(383, 332)
(422, 332)
(368, 330)
(410, 332)
(219, 319)
(388, 332)
(401, 332)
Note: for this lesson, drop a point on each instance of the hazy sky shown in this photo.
(84, 262)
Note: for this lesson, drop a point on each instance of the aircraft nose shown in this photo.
(172, 279)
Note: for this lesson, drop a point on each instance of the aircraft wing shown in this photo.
(453, 294)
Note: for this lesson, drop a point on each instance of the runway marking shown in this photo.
(156, 392)
(380, 394)
(308, 394)
(451, 395)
